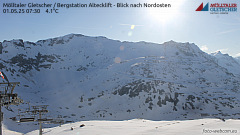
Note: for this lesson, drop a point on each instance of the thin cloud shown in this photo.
(130, 24)
(238, 55)
(228, 31)
(204, 48)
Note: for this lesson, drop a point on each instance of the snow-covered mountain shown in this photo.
(224, 60)
(89, 78)
(238, 59)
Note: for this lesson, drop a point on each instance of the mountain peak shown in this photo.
(169, 42)
(219, 54)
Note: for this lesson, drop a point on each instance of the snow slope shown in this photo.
(228, 62)
(96, 78)
(238, 59)
(6, 131)
(147, 127)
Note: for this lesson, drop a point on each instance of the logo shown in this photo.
(218, 8)
(201, 8)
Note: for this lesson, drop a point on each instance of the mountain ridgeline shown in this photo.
(89, 78)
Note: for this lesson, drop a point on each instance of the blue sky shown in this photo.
(180, 23)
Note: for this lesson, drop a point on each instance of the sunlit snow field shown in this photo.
(143, 127)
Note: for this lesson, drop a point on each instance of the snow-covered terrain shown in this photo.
(96, 78)
(6, 131)
(144, 127)
(238, 59)
(224, 60)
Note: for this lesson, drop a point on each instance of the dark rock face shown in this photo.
(1, 66)
(31, 43)
(28, 64)
(19, 43)
(57, 41)
(1, 48)
(156, 95)
(153, 89)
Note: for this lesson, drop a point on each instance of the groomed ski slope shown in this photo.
(144, 127)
